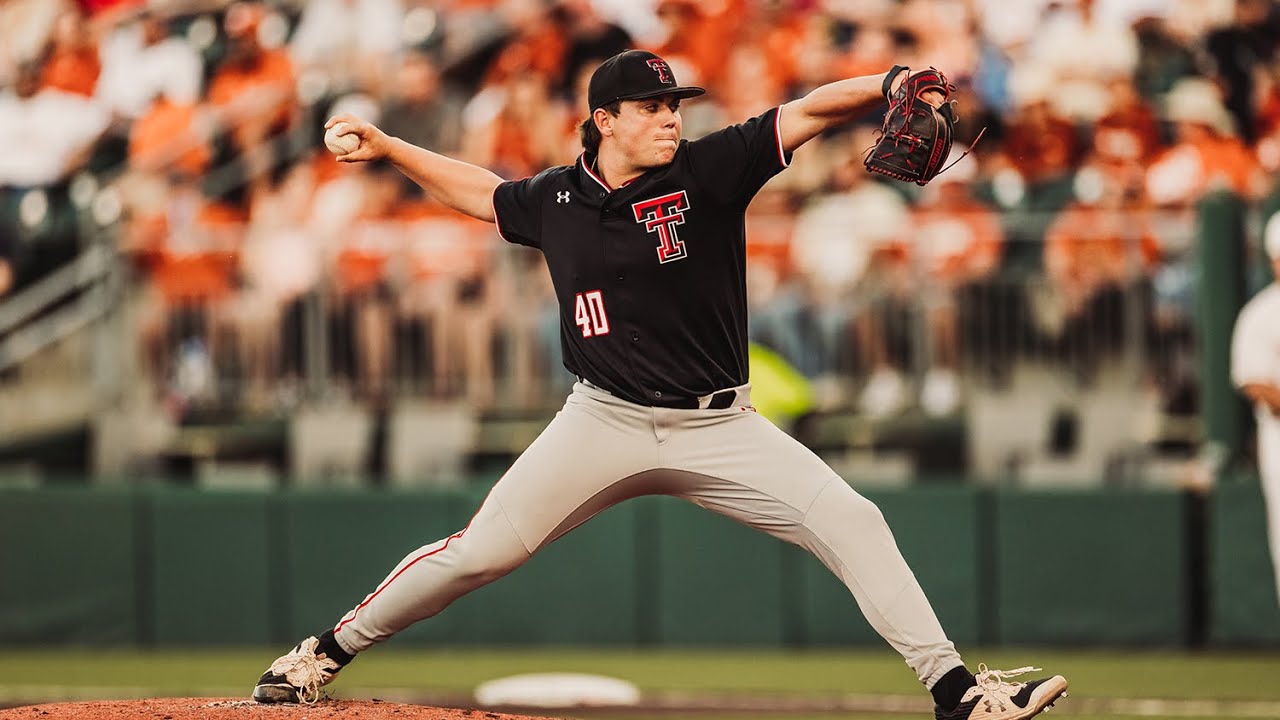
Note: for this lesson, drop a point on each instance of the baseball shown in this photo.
(340, 144)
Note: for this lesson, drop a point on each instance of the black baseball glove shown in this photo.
(915, 139)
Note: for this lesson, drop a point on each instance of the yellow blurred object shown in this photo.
(778, 391)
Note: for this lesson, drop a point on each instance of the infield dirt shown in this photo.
(241, 709)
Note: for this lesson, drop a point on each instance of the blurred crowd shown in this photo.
(1106, 122)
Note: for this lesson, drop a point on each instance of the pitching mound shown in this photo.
(240, 709)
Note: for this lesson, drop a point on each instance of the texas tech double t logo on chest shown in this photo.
(662, 215)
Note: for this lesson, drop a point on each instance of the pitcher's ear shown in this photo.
(603, 121)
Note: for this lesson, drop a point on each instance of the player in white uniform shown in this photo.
(1255, 370)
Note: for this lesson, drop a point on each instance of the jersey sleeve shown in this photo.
(1251, 360)
(734, 163)
(517, 209)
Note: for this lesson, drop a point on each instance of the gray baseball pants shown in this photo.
(601, 450)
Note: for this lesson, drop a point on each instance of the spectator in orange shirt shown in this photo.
(537, 46)
(190, 251)
(1127, 132)
(72, 62)
(1039, 143)
(1127, 136)
(784, 29)
(873, 46)
(512, 127)
(694, 44)
(170, 136)
(1207, 154)
(167, 150)
(749, 86)
(254, 88)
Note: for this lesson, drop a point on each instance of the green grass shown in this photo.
(45, 674)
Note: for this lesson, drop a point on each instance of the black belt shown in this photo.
(719, 400)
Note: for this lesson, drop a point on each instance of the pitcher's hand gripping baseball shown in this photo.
(372, 143)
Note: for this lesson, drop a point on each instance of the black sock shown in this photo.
(332, 650)
(952, 686)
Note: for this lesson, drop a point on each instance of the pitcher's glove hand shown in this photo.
(915, 139)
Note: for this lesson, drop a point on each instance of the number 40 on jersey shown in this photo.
(588, 313)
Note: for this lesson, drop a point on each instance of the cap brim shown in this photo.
(680, 93)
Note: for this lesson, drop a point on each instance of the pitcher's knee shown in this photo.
(478, 563)
(859, 510)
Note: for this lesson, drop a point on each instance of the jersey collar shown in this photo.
(594, 179)
(584, 164)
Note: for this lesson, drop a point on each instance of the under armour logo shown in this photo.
(663, 70)
(994, 705)
(662, 215)
(562, 197)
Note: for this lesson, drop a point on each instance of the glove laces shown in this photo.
(305, 670)
(993, 681)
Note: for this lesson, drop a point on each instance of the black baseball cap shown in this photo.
(632, 75)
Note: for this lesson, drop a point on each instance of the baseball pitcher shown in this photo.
(644, 240)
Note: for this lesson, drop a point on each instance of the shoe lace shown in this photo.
(995, 681)
(305, 670)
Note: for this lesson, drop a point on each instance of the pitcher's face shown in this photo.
(646, 132)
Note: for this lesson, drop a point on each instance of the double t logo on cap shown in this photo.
(664, 71)
(633, 75)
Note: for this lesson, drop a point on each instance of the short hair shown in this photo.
(589, 134)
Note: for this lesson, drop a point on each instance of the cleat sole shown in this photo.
(1048, 702)
(270, 694)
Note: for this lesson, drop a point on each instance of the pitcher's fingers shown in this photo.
(342, 117)
(933, 97)
(358, 155)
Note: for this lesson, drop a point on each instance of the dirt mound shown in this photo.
(241, 709)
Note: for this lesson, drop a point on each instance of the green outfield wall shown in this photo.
(1243, 608)
(182, 568)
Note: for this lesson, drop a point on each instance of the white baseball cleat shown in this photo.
(297, 676)
(994, 698)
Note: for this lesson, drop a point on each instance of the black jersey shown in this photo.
(651, 276)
